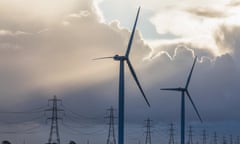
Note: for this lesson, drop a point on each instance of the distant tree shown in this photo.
(72, 142)
(5, 142)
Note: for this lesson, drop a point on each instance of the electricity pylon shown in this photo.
(224, 140)
(231, 139)
(148, 132)
(204, 136)
(237, 140)
(190, 135)
(171, 134)
(54, 131)
(111, 132)
(215, 138)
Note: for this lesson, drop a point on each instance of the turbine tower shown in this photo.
(183, 92)
(122, 60)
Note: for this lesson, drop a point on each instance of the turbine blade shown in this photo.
(190, 74)
(136, 80)
(132, 35)
(194, 106)
(102, 58)
(170, 89)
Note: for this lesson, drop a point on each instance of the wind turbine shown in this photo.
(122, 60)
(183, 91)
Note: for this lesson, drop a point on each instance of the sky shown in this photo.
(47, 48)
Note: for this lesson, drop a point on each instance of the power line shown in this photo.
(35, 110)
(74, 129)
(21, 131)
(79, 115)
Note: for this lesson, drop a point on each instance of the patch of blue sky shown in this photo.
(125, 14)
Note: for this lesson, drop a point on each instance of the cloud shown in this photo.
(170, 46)
(61, 54)
(206, 12)
(234, 3)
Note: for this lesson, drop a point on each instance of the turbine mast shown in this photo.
(121, 105)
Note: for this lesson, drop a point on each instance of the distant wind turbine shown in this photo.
(183, 91)
(122, 59)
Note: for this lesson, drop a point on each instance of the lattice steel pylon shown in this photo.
(190, 135)
(231, 139)
(54, 130)
(237, 140)
(204, 137)
(224, 140)
(171, 134)
(148, 132)
(111, 131)
(215, 138)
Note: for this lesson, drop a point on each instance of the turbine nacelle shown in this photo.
(120, 58)
(182, 89)
(175, 89)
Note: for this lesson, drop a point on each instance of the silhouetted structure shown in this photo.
(111, 132)
(6, 142)
(237, 140)
(184, 90)
(54, 121)
(215, 138)
(171, 134)
(224, 140)
(148, 131)
(72, 142)
(190, 135)
(122, 59)
(204, 137)
(230, 139)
